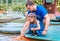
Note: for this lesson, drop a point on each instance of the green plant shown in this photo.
(58, 9)
(15, 8)
(3, 6)
(19, 7)
(37, 1)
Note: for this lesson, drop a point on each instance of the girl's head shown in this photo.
(32, 17)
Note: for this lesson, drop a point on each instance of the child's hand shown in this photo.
(20, 37)
(32, 28)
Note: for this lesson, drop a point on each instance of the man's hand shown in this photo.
(47, 22)
(44, 32)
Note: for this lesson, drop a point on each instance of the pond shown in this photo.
(9, 37)
(53, 33)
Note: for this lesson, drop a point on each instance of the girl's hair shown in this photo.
(33, 15)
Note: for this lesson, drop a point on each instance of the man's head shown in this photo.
(30, 5)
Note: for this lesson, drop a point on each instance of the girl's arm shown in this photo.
(38, 26)
(25, 27)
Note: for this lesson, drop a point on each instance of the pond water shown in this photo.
(9, 37)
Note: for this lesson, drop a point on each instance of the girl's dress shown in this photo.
(32, 25)
(37, 32)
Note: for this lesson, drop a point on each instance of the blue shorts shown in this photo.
(38, 32)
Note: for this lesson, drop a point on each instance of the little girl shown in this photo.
(34, 26)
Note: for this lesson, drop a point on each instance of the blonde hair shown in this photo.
(33, 15)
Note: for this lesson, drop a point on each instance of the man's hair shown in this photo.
(29, 3)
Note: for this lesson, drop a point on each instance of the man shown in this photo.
(41, 14)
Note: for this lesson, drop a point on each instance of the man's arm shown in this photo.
(44, 13)
(47, 21)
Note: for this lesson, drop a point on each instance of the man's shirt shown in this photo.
(40, 13)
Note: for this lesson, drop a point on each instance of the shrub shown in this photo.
(3, 6)
(58, 9)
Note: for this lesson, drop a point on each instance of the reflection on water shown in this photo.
(9, 37)
(5, 37)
